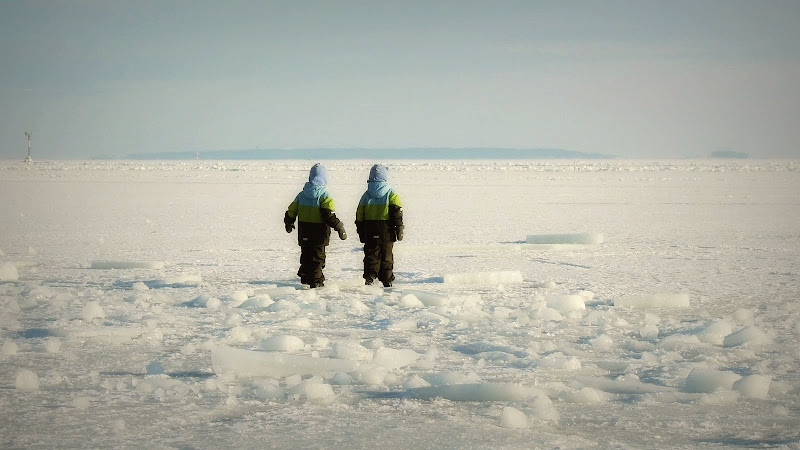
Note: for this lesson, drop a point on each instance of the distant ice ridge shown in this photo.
(154, 165)
(577, 238)
(514, 276)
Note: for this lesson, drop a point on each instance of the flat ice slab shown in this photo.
(513, 276)
(107, 265)
(483, 392)
(578, 238)
(654, 301)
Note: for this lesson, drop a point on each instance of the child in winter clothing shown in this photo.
(379, 222)
(313, 208)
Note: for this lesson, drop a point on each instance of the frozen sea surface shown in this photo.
(156, 304)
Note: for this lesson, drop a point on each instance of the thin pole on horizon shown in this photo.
(29, 134)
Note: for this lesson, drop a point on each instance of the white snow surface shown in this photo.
(572, 238)
(496, 278)
(156, 304)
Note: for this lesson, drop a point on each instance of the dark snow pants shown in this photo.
(378, 261)
(312, 261)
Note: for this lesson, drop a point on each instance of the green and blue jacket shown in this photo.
(379, 213)
(313, 208)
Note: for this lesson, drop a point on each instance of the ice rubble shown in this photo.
(239, 363)
(411, 298)
(92, 310)
(626, 385)
(513, 418)
(27, 380)
(476, 392)
(247, 363)
(752, 335)
(375, 364)
(391, 359)
(566, 303)
(706, 380)
(9, 348)
(279, 371)
(719, 384)
(754, 386)
(283, 343)
(427, 298)
(8, 272)
(345, 357)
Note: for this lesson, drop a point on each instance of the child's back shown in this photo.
(379, 222)
(313, 208)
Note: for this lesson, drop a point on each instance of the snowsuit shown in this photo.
(313, 209)
(379, 222)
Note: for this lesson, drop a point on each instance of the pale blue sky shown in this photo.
(631, 78)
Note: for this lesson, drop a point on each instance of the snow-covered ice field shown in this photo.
(630, 304)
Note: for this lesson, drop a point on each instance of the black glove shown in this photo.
(289, 227)
(342, 234)
(399, 232)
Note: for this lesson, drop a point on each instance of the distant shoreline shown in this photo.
(364, 153)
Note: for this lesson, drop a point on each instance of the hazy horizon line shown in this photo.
(400, 153)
